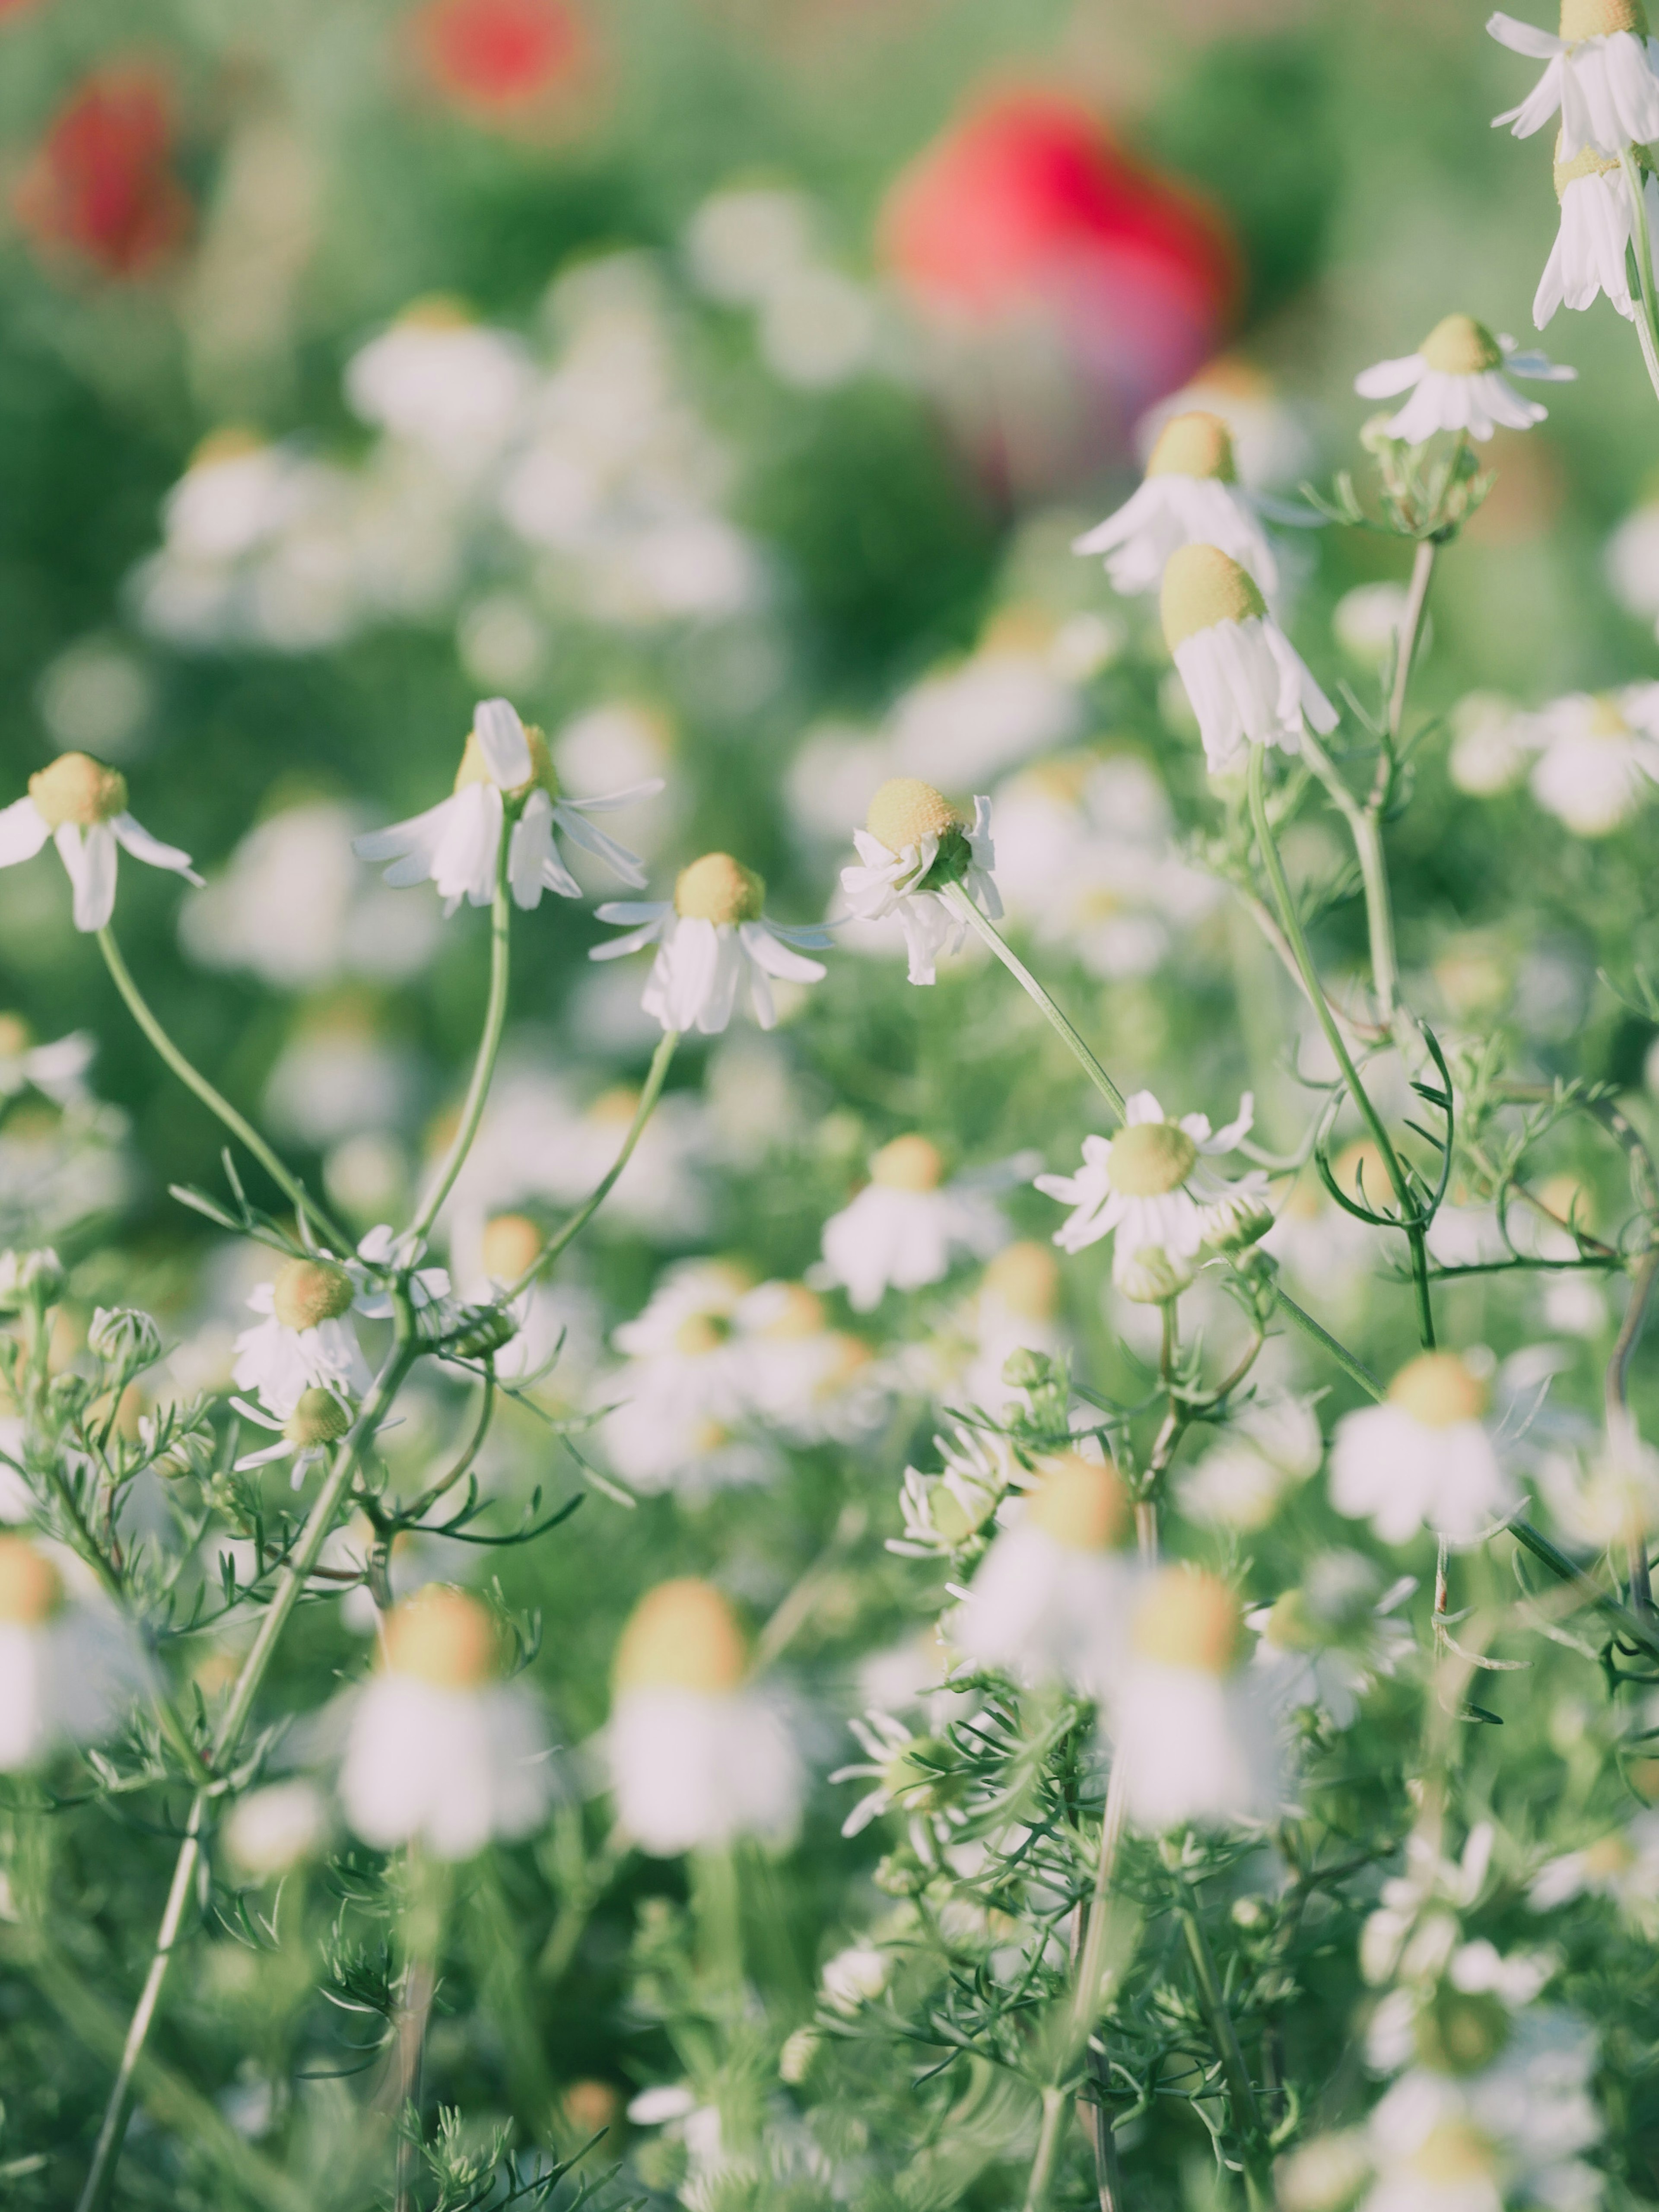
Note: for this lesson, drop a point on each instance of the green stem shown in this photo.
(1241, 2091)
(240, 1128)
(1354, 1369)
(602, 1189)
(1622, 1438)
(1406, 645)
(960, 904)
(1056, 2107)
(1642, 1630)
(490, 1046)
(1647, 325)
(1367, 836)
(1291, 922)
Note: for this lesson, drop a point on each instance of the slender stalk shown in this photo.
(1366, 833)
(1354, 1369)
(602, 1189)
(1241, 2091)
(1056, 2107)
(1406, 645)
(960, 904)
(1621, 1429)
(1647, 323)
(490, 1045)
(1642, 1633)
(1085, 1987)
(193, 1080)
(227, 1734)
(1292, 926)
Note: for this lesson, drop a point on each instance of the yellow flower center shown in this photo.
(906, 810)
(1613, 1855)
(31, 1588)
(1606, 718)
(615, 1108)
(1189, 1618)
(15, 1037)
(307, 1291)
(1202, 586)
(718, 889)
(78, 789)
(1458, 346)
(799, 1314)
(474, 768)
(1196, 445)
(1461, 2030)
(1026, 1277)
(234, 441)
(700, 1334)
(318, 1418)
(442, 1636)
(1601, 19)
(1150, 1158)
(913, 1779)
(1437, 1390)
(1082, 1504)
(681, 1635)
(1290, 1626)
(511, 1243)
(437, 311)
(907, 1164)
(1589, 163)
(1451, 2152)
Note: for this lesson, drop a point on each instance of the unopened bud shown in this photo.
(123, 1337)
(28, 1278)
(1152, 1277)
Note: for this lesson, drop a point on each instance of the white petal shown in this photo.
(90, 861)
(1386, 377)
(142, 847)
(24, 831)
(503, 742)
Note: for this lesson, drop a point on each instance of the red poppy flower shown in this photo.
(100, 186)
(500, 58)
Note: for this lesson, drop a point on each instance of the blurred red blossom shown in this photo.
(100, 186)
(1068, 286)
(501, 59)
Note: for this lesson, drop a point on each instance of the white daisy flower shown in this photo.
(1190, 497)
(69, 1664)
(317, 1419)
(1192, 1723)
(1631, 563)
(697, 1757)
(910, 1776)
(58, 1071)
(82, 806)
(1247, 682)
(1507, 2137)
(908, 1225)
(274, 1829)
(946, 1511)
(1599, 759)
(1424, 1457)
(1272, 1447)
(1015, 1308)
(1623, 1866)
(1050, 1601)
(1325, 1643)
(798, 1374)
(1597, 229)
(854, 1977)
(305, 1340)
(914, 846)
(505, 775)
(1492, 744)
(1456, 382)
(440, 1750)
(382, 1252)
(1602, 74)
(1146, 1186)
(453, 387)
(711, 938)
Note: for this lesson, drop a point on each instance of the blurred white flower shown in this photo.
(711, 938)
(1492, 742)
(69, 1667)
(274, 1829)
(697, 1757)
(1190, 497)
(1271, 443)
(854, 1977)
(1050, 1601)
(1622, 1865)
(800, 1376)
(1014, 695)
(335, 1075)
(1597, 228)
(304, 1340)
(944, 1511)
(1246, 681)
(1424, 1457)
(1599, 757)
(1457, 382)
(744, 240)
(914, 846)
(907, 1225)
(97, 695)
(1365, 622)
(58, 1071)
(82, 806)
(1274, 1445)
(1600, 74)
(450, 384)
(1324, 1644)
(1631, 563)
(677, 1404)
(1015, 1308)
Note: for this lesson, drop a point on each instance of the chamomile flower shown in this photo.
(1247, 682)
(82, 806)
(1271, 1448)
(1017, 1309)
(910, 1776)
(1602, 74)
(506, 777)
(798, 1374)
(1190, 497)
(1145, 1185)
(1324, 1644)
(440, 1749)
(913, 846)
(304, 1340)
(949, 1511)
(273, 1830)
(1424, 1457)
(908, 1225)
(1457, 382)
(68, 1665)
(1051, 1598)
(697, 1756)
(1597, 227)
(58, 1071)
(712, 938)
(1622, 1865)
(1599, 757)
(317, 1419)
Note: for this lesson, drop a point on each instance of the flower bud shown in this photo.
(1236, 1222)
(78, 792)
(307, 1291)
(123, 1337)
(442, 1636)
(1151, 1276)
(318, 1418)
(1028, 1371)
(681, 1635)
(718, 888)
(26, 1277)
(795, 2059)
(480, 1330)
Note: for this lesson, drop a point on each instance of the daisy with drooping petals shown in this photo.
(82, 806)
(1190, 1721)
(317, 1418)
(1599, 759)
(68, 1665)
(1051, 1598)
(914, 846)
(1247, 682)
(1424, 1457)
(1602, 74)
(58, 1070)
(697, 1757)
(440, 1749)
(1190, 497)
(908, 1225)
(1597, 225)
(506, 775)
(1146, 1185)
(1623, 1866)
(711, 938)
(1457, 382)
(305, 1340)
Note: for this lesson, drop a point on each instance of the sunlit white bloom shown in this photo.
(1051, 1599)
(915, 847)
(1190, 497)
(68, 1665)
(1622, 1865)
(1597, 228)
(798, 1373)
(1424, 1457)
(908, 1225)
(1416, 1927)
(1247, 682)
(1457, 382)
(273, 1830)
(855, 1977)
(338, 1075)
(317, 1419)
(1192, 1723)
(1613, 1500)
(58, 1070)
(82, 806)
(713, 939)
(306, 1338)
(1492, 743)
(1600, 757)
(1601, 73)
(696, 1756)
(1325, 1643)
(506, 774)
(1145, 1185)
(446, 383)
(679, 1407)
